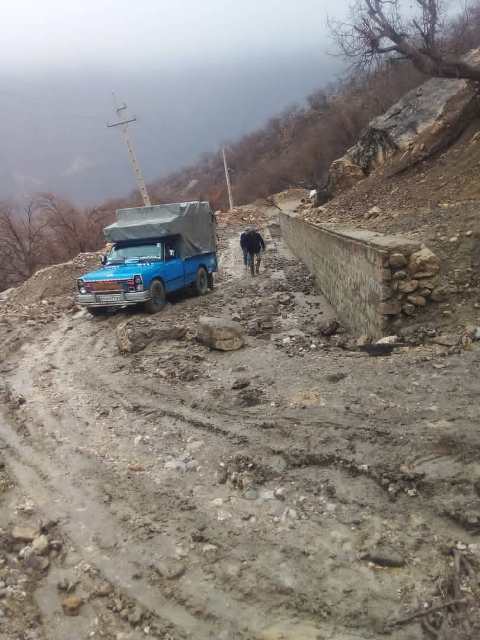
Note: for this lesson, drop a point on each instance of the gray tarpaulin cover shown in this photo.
(193, 221)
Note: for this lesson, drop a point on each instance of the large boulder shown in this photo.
(424, 121)
(135, 334)
(220, 334)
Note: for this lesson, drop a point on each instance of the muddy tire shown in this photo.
(158, 297)
(97, 311)
(201, 283)
(211, 281)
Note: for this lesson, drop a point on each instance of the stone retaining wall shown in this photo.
(376, 283)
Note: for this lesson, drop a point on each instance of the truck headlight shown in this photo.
(138, 283)
(81, 287)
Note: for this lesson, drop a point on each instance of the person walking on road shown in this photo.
(243, 246)
(252, 245)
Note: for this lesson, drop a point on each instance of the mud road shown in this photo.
(294, 489)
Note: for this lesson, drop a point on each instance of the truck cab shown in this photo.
(144, 270)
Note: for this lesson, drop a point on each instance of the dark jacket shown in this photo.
(252, 242)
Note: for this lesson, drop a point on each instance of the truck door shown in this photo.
(174, 268)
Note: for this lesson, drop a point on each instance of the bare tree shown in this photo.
(75, 230)
(22, 242)
(395, 28)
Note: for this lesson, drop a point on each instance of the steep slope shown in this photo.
(435, 201)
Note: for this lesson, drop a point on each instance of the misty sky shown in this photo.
(158, 32)
(195, 72)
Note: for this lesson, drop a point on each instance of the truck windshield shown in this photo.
(136, 252)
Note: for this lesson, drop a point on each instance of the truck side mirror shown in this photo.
(103, 259)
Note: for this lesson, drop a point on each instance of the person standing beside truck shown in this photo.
(253, 244)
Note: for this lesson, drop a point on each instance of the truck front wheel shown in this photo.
(157, 297)
(97, 311)
(201, 282)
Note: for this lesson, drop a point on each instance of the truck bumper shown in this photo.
(112, 300)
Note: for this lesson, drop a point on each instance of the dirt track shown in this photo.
(293, 487)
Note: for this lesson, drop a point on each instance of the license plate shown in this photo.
(109, 299)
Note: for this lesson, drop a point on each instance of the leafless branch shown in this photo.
(383, 28)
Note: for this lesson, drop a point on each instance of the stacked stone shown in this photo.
(410, 282)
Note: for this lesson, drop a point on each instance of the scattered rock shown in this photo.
(372, 213)
(220, 334)
(136, 468)
(71, 605)
(24, 534)
(388, 340)
(221, 475)
(170, 568)
(385, 557)
(40, 545)
(446, 340)
(289, 515)
(104, 590)
(336, 377)
(283, 298)
(135, 334)
(66, 585)
(250, 493)
(135, 617)
(210, 550)
(251, 397)
(240, 383)
(329, 328)
(175, 465)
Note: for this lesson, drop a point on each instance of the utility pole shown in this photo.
(227, 178)
(123, 122)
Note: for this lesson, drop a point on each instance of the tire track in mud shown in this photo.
(77, 506)
(220, 605)
(61, 500)
(87, 505)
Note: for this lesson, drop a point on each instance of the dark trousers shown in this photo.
(254, 260)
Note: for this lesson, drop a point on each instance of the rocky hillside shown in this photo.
(416, 170)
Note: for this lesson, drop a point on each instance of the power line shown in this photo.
(227, 178)
(123, 121)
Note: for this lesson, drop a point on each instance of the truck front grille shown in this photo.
(107, 285)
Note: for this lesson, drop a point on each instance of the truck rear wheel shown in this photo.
(201, 282)
(157, 297)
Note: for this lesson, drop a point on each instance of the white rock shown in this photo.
(388, 340)
(40, 545)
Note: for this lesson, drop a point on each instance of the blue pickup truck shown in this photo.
(155, 251)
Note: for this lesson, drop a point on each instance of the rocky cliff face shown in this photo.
(424, 121)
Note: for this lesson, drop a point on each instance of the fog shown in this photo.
(195, 74)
